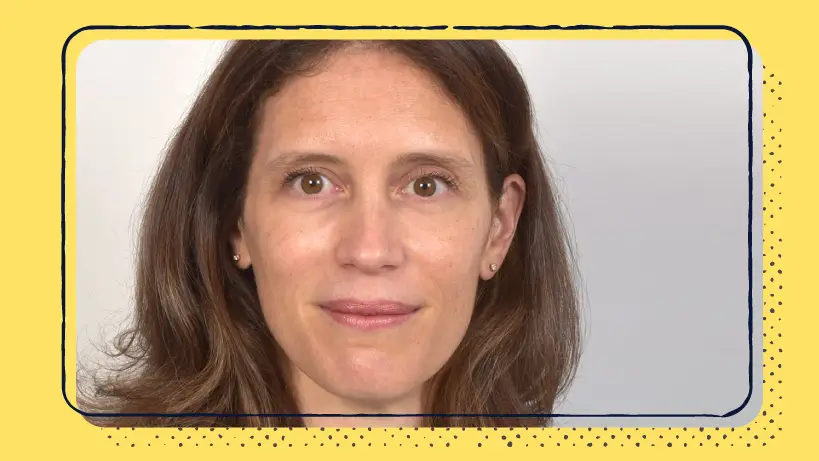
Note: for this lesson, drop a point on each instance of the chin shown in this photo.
(367, 380)
(375, 395)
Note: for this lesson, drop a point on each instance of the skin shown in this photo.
(370, 130)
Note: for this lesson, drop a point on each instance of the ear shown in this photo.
(238, 243)
(504, 224)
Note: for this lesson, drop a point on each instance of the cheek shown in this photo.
(448, 248)
(446, 251)
(288, 251)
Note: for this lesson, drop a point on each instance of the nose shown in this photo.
(370, 240)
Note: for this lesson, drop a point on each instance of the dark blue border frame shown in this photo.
(437, 27)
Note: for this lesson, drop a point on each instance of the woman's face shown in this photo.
(368, 224)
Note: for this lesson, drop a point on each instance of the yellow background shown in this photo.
(37, 421)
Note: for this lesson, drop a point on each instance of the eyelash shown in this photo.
(447, 179)
(292, 176)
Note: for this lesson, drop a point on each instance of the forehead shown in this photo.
(367, 100)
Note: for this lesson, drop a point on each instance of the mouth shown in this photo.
(369, 315)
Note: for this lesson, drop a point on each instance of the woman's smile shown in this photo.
(369, 315)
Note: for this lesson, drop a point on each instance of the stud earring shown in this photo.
(236, 257)
(493, 267)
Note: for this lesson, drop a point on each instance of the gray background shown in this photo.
(648, 143)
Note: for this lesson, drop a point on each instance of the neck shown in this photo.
(313, 399)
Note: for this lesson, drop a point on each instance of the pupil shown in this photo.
(425, 187)
(311, 184)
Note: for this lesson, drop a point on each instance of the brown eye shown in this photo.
(425, 186)
(312, 183)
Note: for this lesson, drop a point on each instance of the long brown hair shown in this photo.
(199, 346)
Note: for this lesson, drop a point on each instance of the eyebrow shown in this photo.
(444, 160)
(292, 159)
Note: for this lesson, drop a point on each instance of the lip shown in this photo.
(369, 315)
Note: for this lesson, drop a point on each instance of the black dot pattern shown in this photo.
(763, 431)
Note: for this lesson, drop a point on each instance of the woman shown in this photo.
(351, 228)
